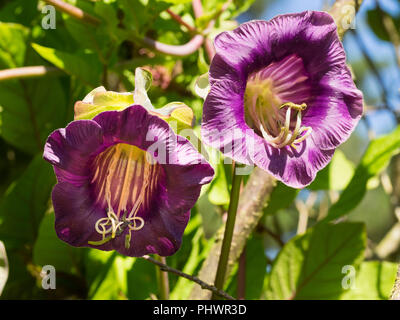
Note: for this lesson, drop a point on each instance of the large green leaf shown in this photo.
(24, 204)
(219, 191)
(374, 281)
(50, 250)
(67, 261)
(375, 159)
(21, 210)
(31, 110)
(336, 175)
(85, 66)
(19, 11)
(140, 15)
(214, 9)
(375, 21)
(103, 38)
(12, 45)
(108, 275)
(281, 197)
(310, 266)
(198, 253)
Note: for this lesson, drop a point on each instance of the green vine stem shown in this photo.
(253, 199)
(228, 233)
(162, 280)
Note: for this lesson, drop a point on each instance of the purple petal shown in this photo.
(73, 152)
(70, 150)
(76, 215)
(334, 104)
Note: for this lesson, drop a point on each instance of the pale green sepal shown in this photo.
(177, 112)
(143, 81)
(202, 86)
(90, 95)
(112, 98)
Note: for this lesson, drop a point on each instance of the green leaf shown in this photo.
(112, 276)
(242, 6)
(281, 197)
(219, 190)
(84, 66)
(213, 9)
(140, 15)
(12, 45)
(336, 175)
(107, 275)
(211, 216)
(50, 250)
(102, 39)
(374, 281)
(31, 110)
(310, 265)
(19, 11)
(24, 204)
(375, 159)
(175, 1)
(21, 210)
(183, 286)
(375, 21)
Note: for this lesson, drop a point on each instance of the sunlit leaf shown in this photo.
(107, 275)
(183, 286)
(336, 175)
(374, 281)
(12, 45)
(50, 250)
(374, 160)
(219, 189)
(310, 265)
(84, 66)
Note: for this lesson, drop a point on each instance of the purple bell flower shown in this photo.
(281, 96)
(126, 181)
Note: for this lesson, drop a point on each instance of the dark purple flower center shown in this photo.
(275, 99)
(124, 181)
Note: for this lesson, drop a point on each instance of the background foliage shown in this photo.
(359, 190)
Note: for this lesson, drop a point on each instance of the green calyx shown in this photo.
(179, 115)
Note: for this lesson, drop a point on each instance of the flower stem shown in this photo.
(162, 280)
(228, 233)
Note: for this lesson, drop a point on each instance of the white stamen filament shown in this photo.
(125, 166)
(287, 136)
(263, 111)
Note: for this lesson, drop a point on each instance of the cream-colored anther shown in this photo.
(286, 136)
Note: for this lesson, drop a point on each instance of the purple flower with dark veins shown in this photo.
(284, 86)
(126, 181)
